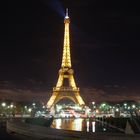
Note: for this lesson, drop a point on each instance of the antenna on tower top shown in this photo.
(66, 13)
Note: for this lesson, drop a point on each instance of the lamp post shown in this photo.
(3, 104)
(117, 110)
(133, 106)
(94, 108)
(3, 108)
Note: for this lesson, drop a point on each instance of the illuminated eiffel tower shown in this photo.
(63, 89)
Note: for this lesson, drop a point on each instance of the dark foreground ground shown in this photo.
(3, 133)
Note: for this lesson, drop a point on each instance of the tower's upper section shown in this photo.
(66, 58)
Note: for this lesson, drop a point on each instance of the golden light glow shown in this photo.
(66, 72)
(66, 60)
(77, 124)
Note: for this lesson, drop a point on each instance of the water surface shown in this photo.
(80, 124)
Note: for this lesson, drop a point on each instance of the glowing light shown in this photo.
(133, 106)
(66, 17)
(29, 109)
(93, 126)
(125, 104)
(58, 108)
(77, 107)
(93, 103)
(78, 124)
(58, 123)
(66, 60)
(97, 111)
(11, 105)
(103, 104)
(87, 126)
(3, 104)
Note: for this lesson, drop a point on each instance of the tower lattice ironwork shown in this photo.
(66, 86)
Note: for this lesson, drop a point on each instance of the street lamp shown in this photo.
(93, 103)
(133, 106)
(125, 104)
(128, 108)
(3, 104)
(29, 109)
(11, 106)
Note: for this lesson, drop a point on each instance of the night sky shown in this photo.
(105, 43)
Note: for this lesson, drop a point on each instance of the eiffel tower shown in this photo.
(66, 86)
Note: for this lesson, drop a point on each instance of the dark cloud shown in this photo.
(110, 94)
(88, 94)
(23, 95)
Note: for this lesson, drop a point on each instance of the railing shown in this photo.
(135, 121)
(65, 89)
